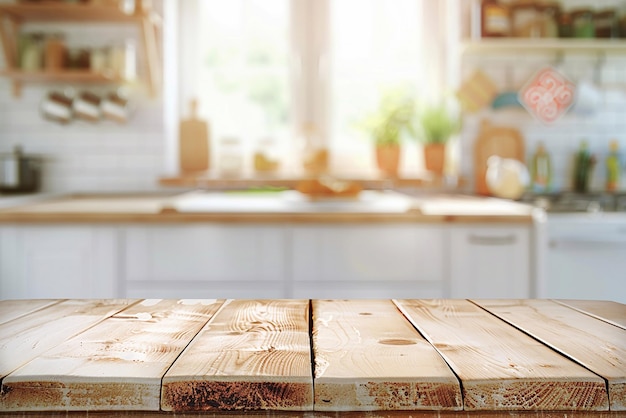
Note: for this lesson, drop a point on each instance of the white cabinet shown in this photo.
(58, 262)
(367, 261)
(490, 261)
(586, 257)
(206, 260)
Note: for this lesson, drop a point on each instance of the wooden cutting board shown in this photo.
(194, 143)
(503, 141)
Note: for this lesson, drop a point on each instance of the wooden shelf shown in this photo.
(15, 14)
(67, 12)
(512, 45)
(66, 76)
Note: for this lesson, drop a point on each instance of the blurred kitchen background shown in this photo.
(273, 79)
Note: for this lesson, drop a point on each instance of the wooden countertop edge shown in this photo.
(175, 217)
(312, 414)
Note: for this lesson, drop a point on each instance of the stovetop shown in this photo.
(571, 202)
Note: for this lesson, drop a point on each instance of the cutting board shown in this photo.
(503, 141)
(193, 143)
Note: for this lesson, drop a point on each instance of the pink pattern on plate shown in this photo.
(547, 95)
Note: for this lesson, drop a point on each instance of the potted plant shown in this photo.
(435, 126)
(387, 127)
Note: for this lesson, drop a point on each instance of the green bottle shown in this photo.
(613, 169)
(541, 170)
(582, 168)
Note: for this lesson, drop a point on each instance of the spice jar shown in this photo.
(566, 27)
(583, 23)
(495, 21)
(549, 13)
(55, 54)
(525, 19)
(31, 52)
(606, 24)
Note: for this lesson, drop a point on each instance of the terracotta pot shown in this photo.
(388, 159)
(435, 157)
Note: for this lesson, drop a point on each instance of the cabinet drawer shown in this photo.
(393, 252)
(205, 252)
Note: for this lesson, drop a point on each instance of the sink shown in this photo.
(290, 201)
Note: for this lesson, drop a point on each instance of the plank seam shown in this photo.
(591, 314)
(548, 345)
(406, 316)
(35, 310)
(224, 303)
(312, 349)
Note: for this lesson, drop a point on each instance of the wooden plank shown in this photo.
(24, 338)
(597, 345)
(369, 357)
(253, 355)
(11, 309)
(608, 311)
(116, 365)
(500, 367)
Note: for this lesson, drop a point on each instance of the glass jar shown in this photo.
(55, 53)
(526, 19)
(31, 57)
(230, 162)
(266, 159)
(495, 20)
(566, 27)
(606, 24)
(583, 23)
(549, 13)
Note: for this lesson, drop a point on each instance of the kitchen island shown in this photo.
(250, 245)
(309, 357)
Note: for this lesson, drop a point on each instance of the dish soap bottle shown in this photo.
(582, 168)
(541, 169)
(613, 168)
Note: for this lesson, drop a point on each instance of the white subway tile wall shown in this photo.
(598, 115)
(83, 156)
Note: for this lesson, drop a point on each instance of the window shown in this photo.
(265, 68)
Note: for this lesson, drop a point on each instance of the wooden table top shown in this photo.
(432, 358)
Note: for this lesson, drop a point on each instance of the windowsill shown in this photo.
(215, 181)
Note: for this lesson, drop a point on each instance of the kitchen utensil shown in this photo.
(506, 178)
(194, 142)
(19, 173)
(502, 141)
(477, 92)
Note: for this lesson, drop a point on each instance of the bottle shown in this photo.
(613, 167)
(494, 18)
(541, 169)
(582, 168)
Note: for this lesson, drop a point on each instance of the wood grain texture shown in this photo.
(500, 367)
(24, 338)
(369, 357)
(253, 355)
(597, 345)
(115, 365)
(12, 309)
(608, 311)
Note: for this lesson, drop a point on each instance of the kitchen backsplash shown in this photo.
(598, 116)
(81, 156)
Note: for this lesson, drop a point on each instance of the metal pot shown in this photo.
(19, 173)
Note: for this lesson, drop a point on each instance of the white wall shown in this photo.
(607, 121)
(85, 157)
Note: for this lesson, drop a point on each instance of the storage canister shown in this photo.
(583, 23)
